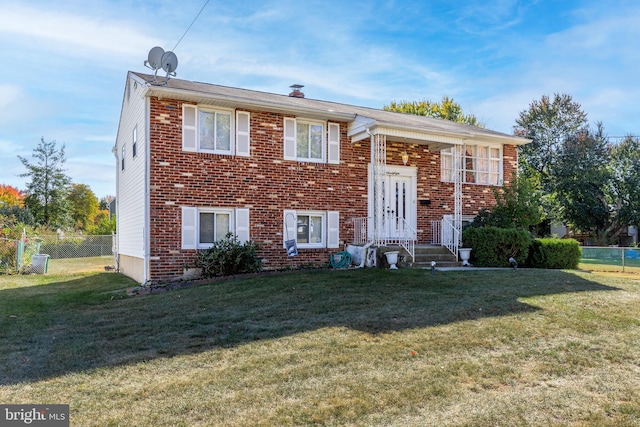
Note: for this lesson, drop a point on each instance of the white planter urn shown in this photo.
(392, 259)
(464, 253)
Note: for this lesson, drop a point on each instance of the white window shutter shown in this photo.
(189, 227)
(334, 143)
(290, 226)
(289, 138)
(243, 133)
(333, 229)
(189, 128)
(242, 225)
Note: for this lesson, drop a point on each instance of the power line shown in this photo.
(192, 22)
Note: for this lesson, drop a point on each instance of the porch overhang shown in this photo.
(437, 139)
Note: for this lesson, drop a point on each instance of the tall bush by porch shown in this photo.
(554, 253)
(493, 246)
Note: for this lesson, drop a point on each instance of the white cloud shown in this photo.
(74, 33)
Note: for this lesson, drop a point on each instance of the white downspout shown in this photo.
(146, 241)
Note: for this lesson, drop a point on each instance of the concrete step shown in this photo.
(424, 254)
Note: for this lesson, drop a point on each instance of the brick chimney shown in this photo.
(296, 92)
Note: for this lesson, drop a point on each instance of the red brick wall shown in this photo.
(267, 184)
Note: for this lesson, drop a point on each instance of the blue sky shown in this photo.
(65, 62)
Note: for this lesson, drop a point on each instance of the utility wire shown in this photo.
(192, 22)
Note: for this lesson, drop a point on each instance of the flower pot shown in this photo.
(464, 253)
(392, 259)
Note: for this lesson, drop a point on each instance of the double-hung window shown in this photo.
(312, 229)
(480, 164)
(311, 141)
(134, 142)
(212, 130)
(203, 226)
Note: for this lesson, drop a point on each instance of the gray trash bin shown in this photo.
(40, 263)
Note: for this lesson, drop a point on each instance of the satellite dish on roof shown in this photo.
(155, 58)
(159, 59)
(169, 63)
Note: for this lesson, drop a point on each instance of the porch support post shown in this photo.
(458, 179)
(379, 162)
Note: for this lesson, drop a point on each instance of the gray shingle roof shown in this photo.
(236, 97)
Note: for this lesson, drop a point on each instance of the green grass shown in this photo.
(608, 264)
(359, 347)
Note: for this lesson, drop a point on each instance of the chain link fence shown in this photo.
(60, 253)
(611, 259)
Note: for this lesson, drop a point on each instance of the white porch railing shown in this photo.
(444, 233)
(406, 238)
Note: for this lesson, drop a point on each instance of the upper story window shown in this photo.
(209, 130)
(481, 164)
(311, 141)
(214, 131)
(134, 142)
(123, 154)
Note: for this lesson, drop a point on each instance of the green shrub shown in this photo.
(493, 246)
(554, 253)
(228, 256)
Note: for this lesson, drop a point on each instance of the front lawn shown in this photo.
(358, 347)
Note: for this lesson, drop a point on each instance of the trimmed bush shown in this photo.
(493, 246)
(554, 253)
(228, 256)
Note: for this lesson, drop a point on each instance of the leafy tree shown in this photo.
(517, 205)
(48, 188)
(84, 206)
(583, 185)
(15, 216)
(548, 123)
(104, 224)
(625, 164)
(446, 109)
(10, 197)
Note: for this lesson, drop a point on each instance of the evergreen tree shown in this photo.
(49, 185)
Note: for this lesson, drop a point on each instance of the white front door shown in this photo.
(398, 205)
(399, 194)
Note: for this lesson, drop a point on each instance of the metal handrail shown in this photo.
(448, 229)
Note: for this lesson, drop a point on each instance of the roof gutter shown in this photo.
(189, 95)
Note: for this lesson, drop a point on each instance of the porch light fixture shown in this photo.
(405, 158)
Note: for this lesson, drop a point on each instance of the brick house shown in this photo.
(196, 161)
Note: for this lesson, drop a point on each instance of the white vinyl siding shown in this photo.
(312, 229)
(201, 227)
(209, 130)
(132, 202)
